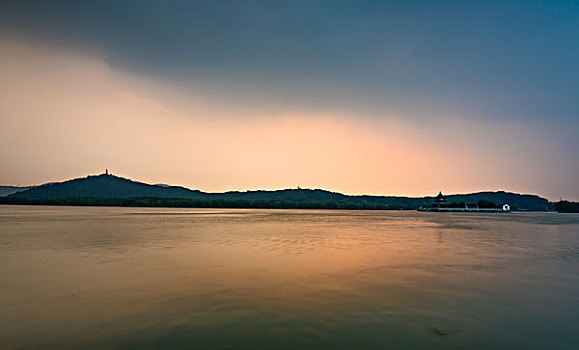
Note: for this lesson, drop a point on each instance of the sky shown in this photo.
(359, 97)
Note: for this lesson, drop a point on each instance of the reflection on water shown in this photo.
(76, 277)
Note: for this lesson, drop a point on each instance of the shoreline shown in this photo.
(286, 205)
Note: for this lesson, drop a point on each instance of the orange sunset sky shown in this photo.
(69, 108)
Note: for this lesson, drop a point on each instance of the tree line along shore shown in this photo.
(201, 203)
(562, 206)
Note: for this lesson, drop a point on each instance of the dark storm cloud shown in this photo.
(511, 59)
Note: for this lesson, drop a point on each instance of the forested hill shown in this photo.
(106, 186)
(516, 201)
(109, 186)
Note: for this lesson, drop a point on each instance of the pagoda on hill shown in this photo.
(439, 200)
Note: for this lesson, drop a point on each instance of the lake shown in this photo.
(157, 278)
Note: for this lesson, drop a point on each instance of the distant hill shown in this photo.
(516, 201)
(8, 190)
(106, 186)
(111, 187)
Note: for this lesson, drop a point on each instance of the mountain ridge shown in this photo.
(115, 187)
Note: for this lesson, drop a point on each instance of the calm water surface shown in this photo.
(135, 278)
